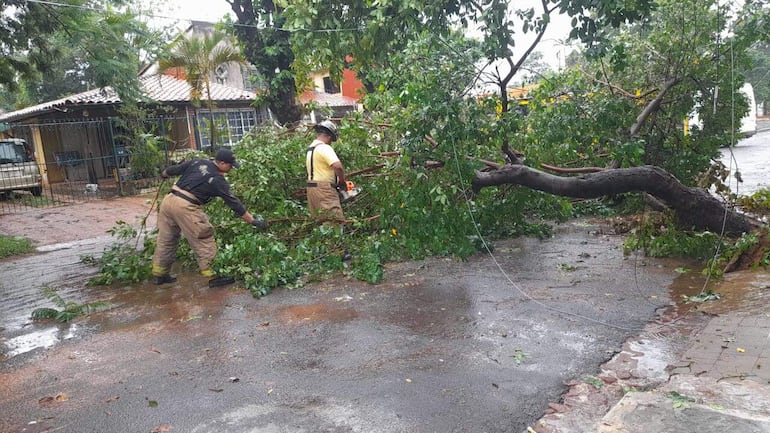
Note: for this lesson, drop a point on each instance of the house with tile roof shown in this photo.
(82, 136)
(339, 97)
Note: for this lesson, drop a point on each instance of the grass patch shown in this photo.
(14, 245)
(32, 201)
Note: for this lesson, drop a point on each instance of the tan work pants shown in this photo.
(178, 217)
(324, 203)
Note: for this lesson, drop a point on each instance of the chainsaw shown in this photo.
(347, 191)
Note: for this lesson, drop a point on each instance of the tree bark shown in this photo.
(695, 207)
(267, 47)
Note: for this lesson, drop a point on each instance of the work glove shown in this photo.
(259, 222)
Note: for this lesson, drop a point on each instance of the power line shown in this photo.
(505, 274)
(178, 19)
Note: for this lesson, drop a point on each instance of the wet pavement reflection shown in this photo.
(441, 344)
(483, 344)
(750, 158)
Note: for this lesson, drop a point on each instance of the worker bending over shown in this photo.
(181, 213)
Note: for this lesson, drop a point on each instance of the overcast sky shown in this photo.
(182, 11)
(187, 10)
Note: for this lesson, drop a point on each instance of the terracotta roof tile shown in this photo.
(161, 88)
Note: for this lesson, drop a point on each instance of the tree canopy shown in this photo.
(266, 44)
(199, 57)
(287, 40)
(50, 50)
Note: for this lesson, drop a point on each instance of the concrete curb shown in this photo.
(709, 372)
(692, 404)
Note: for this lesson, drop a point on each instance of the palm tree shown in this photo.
(200, 56)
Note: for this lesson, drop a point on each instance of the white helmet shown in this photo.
(327, 127)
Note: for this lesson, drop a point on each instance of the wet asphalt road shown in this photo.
(750, 158)
(440, 346)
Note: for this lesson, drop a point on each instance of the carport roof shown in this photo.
(160, 88)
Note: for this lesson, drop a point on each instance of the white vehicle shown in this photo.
(18, 169)
(748, 125)
(749, 122)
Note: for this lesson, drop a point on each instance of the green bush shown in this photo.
(659, 237)
(124, 260)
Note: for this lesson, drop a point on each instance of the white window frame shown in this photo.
(239, 122)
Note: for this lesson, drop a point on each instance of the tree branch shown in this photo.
(652, 106)
(572, 170)
(695, 207)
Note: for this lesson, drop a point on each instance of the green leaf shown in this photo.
(44, 313)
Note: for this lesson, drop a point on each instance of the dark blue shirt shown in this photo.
(201, 178)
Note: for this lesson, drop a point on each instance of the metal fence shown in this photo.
(100, 157)
(85, 179)
(91, 159)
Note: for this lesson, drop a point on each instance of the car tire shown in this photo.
(37, 191)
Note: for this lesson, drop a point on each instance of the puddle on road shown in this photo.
(44, 338)
(683, 287)
(317, 313)
(746, 291)
(740, 290)
(187, 299)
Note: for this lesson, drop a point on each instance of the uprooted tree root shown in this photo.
(757, 255)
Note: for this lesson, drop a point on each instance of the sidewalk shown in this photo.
(717, 379)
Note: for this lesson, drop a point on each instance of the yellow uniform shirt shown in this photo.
(323, 158)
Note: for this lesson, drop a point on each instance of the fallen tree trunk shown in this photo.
(694, 207)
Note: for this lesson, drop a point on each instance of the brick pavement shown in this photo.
(705, 372)
(733, 345)
(722, 380)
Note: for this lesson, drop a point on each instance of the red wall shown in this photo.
(350, 84)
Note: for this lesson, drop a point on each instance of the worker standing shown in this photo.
(325, 175)
(181, 213)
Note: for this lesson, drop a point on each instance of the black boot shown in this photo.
(221, 280)
(164, 279)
